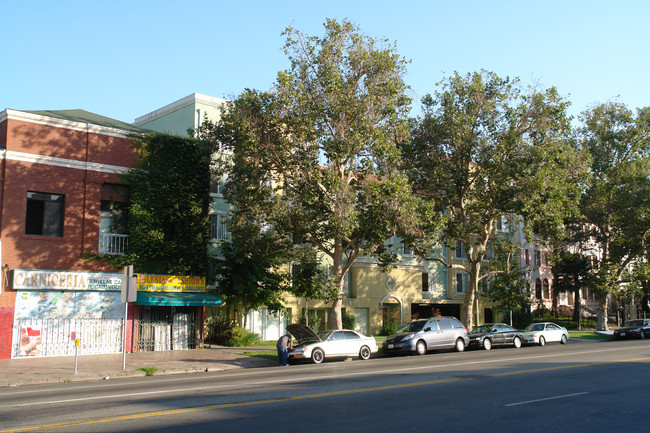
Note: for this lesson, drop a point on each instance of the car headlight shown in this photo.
(408, 337)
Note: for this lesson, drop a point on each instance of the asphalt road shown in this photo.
(578, 387)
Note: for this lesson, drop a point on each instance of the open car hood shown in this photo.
(302, 333)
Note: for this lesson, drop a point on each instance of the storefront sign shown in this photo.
(32, 279)
(170, 283)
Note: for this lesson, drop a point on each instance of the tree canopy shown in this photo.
(482, 149)
(319, 150)
(615, 204)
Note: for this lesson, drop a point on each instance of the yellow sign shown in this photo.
(170, 283)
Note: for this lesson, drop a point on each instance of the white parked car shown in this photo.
(339, 343)
(545, 332)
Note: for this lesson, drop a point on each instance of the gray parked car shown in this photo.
(421, 335)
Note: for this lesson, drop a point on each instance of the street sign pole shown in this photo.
(129, 294)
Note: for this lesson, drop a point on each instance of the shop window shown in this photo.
(218, 230)
(44, 216)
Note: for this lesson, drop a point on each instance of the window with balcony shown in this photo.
(112, 227)
(44, 216)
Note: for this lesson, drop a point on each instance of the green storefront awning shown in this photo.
(178, 298)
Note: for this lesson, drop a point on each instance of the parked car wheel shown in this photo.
(516, 342)
(460, 345)
(317, 356)
(563, 340)
(542, 340)
(364, 353)
(487, 344)
(421, 348)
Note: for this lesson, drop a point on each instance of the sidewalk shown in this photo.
(57, 369)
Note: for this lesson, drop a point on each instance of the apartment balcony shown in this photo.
(110, 243)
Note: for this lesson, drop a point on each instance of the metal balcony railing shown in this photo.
(110, 243)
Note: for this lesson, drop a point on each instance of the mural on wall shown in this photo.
(67, 294)
(77, 304)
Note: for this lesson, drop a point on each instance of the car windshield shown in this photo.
(323, 335)
(481, 329)
(412, 327)
(635, 323)
(534, 327)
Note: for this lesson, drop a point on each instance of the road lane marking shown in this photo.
(546, 399)
(304, 397)
(317, 376)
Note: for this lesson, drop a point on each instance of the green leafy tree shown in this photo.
(318, 152)
(506, 284)
(169, 197)
(616, 201)
(484, 149)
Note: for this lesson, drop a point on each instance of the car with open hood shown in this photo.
(337, 343)
(495, 334)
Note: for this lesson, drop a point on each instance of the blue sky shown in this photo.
(123, 59)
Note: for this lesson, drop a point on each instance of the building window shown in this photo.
(538, 289)
(425, 282)
(459, 250)
(218, 230)
(502, 224)
(406, 250)
(44, 215)
(217, 186)
(462, 281)
(112, 227)
(538, 258)
(527, 254)
(547, 289)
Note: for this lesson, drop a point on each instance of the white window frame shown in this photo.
(218, 230)
(464, 280)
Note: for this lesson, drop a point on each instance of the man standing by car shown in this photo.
(284, 345)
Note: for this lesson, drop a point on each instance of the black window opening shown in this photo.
(44, 216)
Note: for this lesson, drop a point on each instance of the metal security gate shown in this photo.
(55, 337)
(165, 328)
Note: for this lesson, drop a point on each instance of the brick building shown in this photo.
(60, 195)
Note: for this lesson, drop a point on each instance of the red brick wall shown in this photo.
(82, 190)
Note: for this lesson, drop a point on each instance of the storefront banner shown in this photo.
(64, 305)
(36, 279)
(170, 283)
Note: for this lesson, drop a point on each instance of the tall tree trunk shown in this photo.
(337, 319)
(602, 313)
(577, 308)
(467, 317)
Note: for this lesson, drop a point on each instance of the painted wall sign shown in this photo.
(36, 279)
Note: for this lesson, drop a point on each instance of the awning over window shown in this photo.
(178, 298)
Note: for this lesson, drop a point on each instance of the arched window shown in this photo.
(538, 289)
(547, 289)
